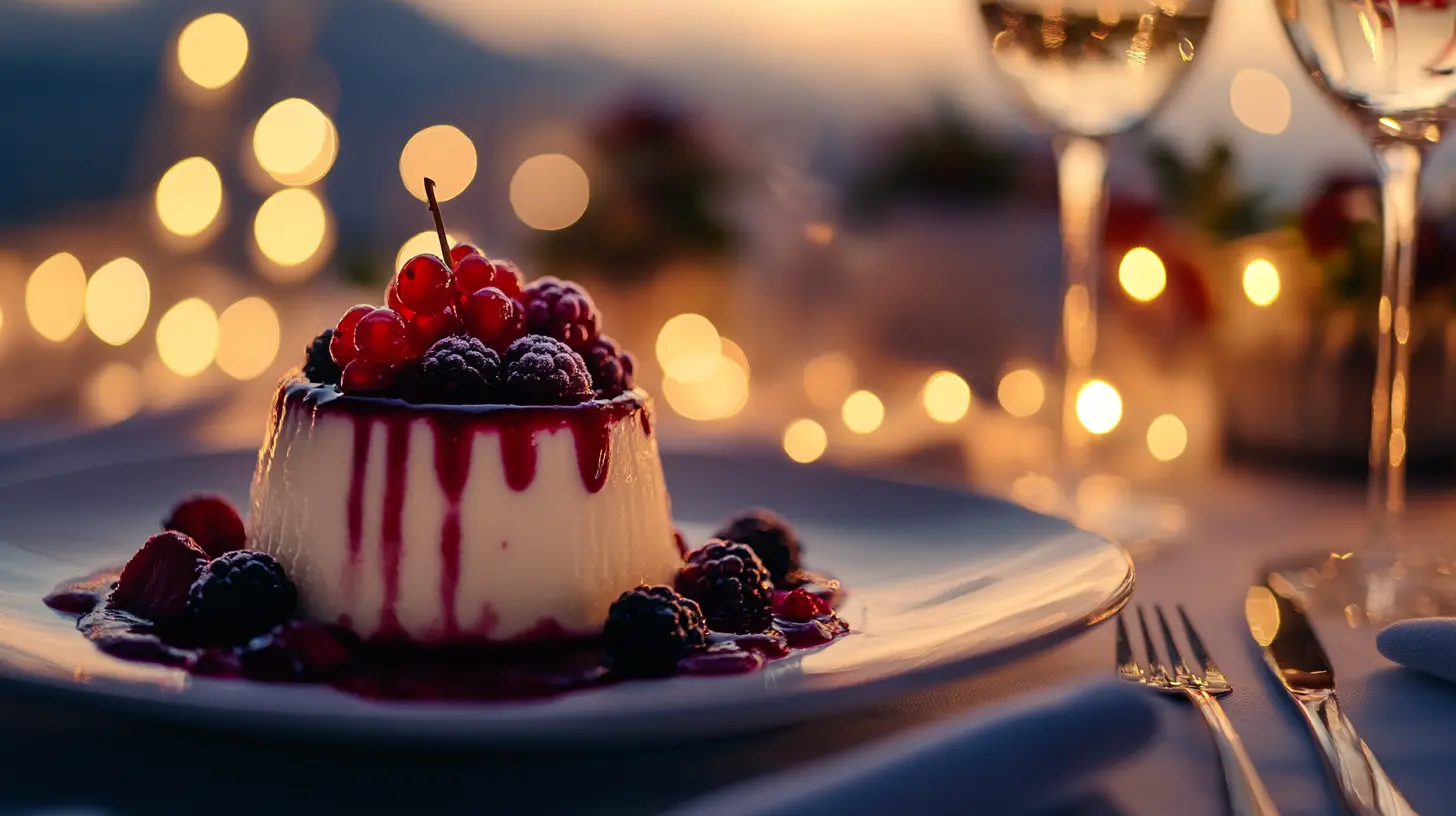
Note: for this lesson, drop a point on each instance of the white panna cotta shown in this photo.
(478, 523)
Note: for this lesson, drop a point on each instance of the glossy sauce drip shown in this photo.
(391, 540)
(453, 444)
(358, 465)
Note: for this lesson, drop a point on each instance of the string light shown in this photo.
(55, 297)
(187, 337)
(189, 196)
(863, 412)
(1099, 406)
(118, 298)
(805, 440)
(1261, 282)
(1142, 274)
(290, 226)
(295, 142)
(1167, 438)
(689, 348)
(946, 397)
(212, 50)
(829, 378)
(550, 192)
(1021, 392)
(442, 153)
(248, 338)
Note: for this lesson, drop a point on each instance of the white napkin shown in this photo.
(1425, 644)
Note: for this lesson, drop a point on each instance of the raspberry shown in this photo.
(560, 309)
(459, 370)
(731, 584)
(649, 629)
(341, 345)
(424, 284)
(380, 337)
(155, 582)
(610, 367)
(544, 371)
(239, 596)
(360, 377)
(800, 606)
(772, 539)
(210, 521)
(425, 328)
(318, 366)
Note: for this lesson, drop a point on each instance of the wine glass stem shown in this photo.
(1081, 178)
(1400, 171)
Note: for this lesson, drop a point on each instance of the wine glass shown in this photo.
(1088, 70)
(1391, 66)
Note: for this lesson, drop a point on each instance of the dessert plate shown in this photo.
(941, 585)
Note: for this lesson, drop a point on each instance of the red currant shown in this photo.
(461, 251)
(427, 327)
(380, 337)
(362, 377)
(424, 284)
(341, 347)
(391, 299)
(506, 277)
(489, 314)
(472, 273)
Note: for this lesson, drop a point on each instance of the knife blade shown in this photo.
(1279, 623)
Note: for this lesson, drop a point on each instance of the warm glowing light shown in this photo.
(1261, 282)
(1021, 392)
(187, 337)
(55, 297)
(946, 397)
(689, 348)
(863, 412)
(829, 378)
(290, 226)
(1040, 493)
(117, 300)
(1260, 100)
(1141, 274)
(734, 352)
(248, 338)
(1099, 406)
(549, 192)
(441, 153)
(189, 196)
(295, 142)
(212, 50)
(722, 395)
(421, 243)
(805, 440)
(112, 393)
(1167, 438)
(819, 232)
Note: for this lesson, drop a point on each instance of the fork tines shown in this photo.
(1174, 672)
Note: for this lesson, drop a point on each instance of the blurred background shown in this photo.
(819, 225)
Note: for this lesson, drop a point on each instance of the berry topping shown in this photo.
(297, 650)
(472, 273)
(155, 582)
(506, 277)
(318, 364)
(544, 371)
(649, 629)
(560, 309)
(210, 521)
(380, 337)
(424, 284)
(461, 251)
(730, 584)
(800, 606)
(239, 596)
(391, 299)
(360, 377)
(610, 367)
(774, 541)
(341, 345)
(459, 370)
(425, 328)
(492, 316)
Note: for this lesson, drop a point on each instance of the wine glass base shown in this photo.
(1376, 588)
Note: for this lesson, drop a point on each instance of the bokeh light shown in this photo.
(117, 300)
(946, 397)
(863, 412)
(1167, 438)
(290, 226)
(1261, 282)
(248, 338)
(689, 348)
(189, 196)
(112, 393)
(819, 232)
(1260, 100)
(720, 396)
(442, 153)
(1021, 392)
(212, 50)
(829, 378)
(421, 243)
(805, 440)
(549, 192)
(295, 142)
(734, 352)
(1141, 274)
(1099, 406)
(187, 337)
(55, 297)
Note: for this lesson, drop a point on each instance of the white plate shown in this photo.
(941, 585)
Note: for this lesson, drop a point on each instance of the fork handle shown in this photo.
(1246, 793)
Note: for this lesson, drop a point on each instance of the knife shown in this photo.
(1293, 654)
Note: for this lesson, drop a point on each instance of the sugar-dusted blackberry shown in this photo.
(560, 309)
(731, 584)
(610, 367)
(240, 595)
(649, 629)
(318, 365)
(541, 370)
(773, 539)
(459, 369)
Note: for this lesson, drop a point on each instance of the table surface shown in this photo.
(64, 757)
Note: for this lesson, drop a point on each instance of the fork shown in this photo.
(1245, 793)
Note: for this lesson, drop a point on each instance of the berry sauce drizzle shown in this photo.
(309, 652)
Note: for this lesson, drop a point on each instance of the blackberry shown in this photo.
(544, 371)
(731, 584)
(649, 629)
(458, 369)
(240, 595)
(610, 367)
(560, 309)
(775, 542)
(318, 366)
